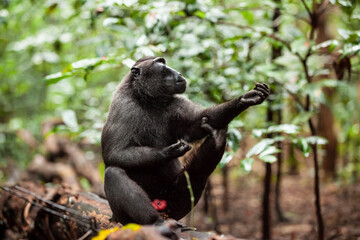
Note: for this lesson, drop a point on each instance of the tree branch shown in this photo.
(269, 35)
(293, 95)
(307, 8)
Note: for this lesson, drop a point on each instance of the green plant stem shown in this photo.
(192, 198)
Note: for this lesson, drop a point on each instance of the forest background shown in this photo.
(63, 60)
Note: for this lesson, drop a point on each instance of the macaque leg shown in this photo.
(204, 162)
(199, 168)
(128, 201)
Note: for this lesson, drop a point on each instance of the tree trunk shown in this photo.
(266, 216)
(326, 130)
(209, 206)
(275, 53)
(326, 119)
(225, 175)
(279, 156)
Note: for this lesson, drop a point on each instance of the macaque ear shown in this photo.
(135, 71)
(160, 60)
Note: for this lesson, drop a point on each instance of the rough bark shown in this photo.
(26, 212)
(277, 52)
(32, 211)
(266, 211)
(326, 118)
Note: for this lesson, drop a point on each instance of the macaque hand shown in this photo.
(257, 95)
(177, 149)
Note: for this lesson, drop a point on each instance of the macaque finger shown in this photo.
(263, 87)
(260, 93)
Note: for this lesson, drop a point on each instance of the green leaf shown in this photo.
(101, 168)
(284, 128)
(200, 14)
(316, 140)
(354, 130)
(344, 33)
(181, 13)
(332, 47)
(70, 120)
(350, 49)
(85, 184)
(259, 147)
(300, 45)
(93, 136)
(355, 17)
(332, 44)
(268, 151)
(226, 158)
(330, 83)
(128, 62)
(345, 3)
(304, 146)
(129, 3)
(249, 16)
(247, 163)
(236, 123)
(85, 63)
(234, 138)
(302, 117)
(110, 21)
(56, 77)
(259, 132)
(214, 14)
(268, 158)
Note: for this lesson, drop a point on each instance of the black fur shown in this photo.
(149, 126)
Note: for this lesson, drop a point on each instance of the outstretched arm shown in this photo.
(221, 115)
(133, 157)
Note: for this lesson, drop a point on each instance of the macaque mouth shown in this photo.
(180, 81)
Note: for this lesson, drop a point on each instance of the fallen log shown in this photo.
(51, 212)
(61, 161)
(47, 171)
(58, 212)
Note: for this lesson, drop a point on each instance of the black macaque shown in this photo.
(148, 128)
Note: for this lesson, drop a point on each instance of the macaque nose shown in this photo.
(180, 78)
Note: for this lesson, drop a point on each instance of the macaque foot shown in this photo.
(219, 135)
(183, 228)
(206, 126)
(168, 228)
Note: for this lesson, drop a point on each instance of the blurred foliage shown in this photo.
(65, 59)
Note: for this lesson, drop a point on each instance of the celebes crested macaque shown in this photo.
(148, 128)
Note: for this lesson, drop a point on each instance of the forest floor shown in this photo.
(340, 206)
(340, 202)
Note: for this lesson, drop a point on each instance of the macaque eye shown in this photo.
(166, 72)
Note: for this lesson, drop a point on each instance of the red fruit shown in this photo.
(158, 204)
